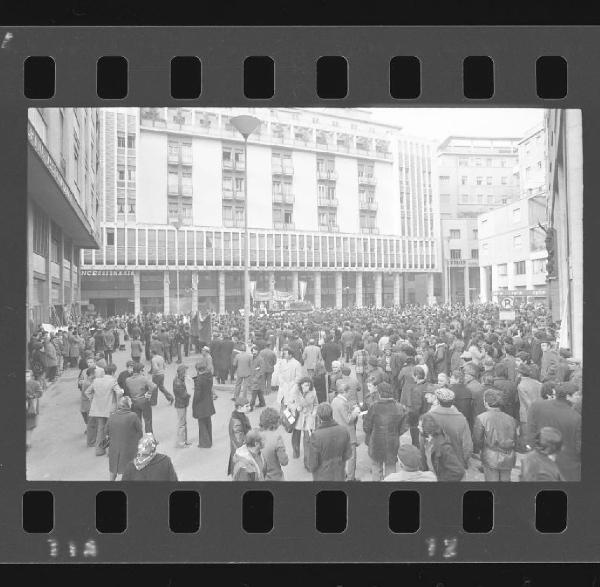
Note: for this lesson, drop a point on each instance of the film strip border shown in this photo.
(376, 67)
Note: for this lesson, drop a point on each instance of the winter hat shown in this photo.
(444, 394)
(410, 457)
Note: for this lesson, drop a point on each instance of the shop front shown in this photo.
(107, 292)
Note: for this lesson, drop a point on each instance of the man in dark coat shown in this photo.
(124, 430)
(203, 407)
(557, 412)
(510, 401)
(330, 352)
(330, 447)
(239, 426)
(413, 397)
(463, 400)
(383, 425)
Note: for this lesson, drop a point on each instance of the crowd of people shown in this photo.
(438, 390)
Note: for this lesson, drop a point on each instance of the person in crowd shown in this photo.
(310, 357)
(345, 412)
(557, 412)
(510, 397)
(549, 360)
(75, 344)
(203, 407)
(124, 430)
(163, 337)
(269, 359)
(100, 345)
(495, 438)
(411, 466)
(137, 348)
(149, 465)
(273, 453)
(248, 463)
(256, 380)
(360, 360)
(330, 352)
(330, 447)
(470, 378)
(305, 404)
(124, 375)
(540, 463)
(157, 370)
(182, 401)
(33, 393)
(384, 423)
(109, 343)
(450, 428)
(140, 389)
(51, 357)
(239, 426)
(289, 373)
(413, 398)
(242, 363)
(84, 405)
(529, 391)
(463, 400)
(103, 393)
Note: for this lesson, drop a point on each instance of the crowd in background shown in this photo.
(436, 389)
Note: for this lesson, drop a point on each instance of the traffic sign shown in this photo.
(508, 315)
(506, 303)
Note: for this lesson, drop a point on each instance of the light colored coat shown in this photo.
(103, 393)
(307, 409)
(288, 374)
(311, 355)
(344, 415)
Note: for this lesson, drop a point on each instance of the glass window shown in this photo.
(455, 234)
(502, 270)
(121, 141)
(463, 180)
(130, 141)
(520, 268)
(455, 254)
(480, 181)
(474, 253)
(516, 214)
(517, 241)
(110, 237)
(488, 180)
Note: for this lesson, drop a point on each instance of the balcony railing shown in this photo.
(456, 262)
(369, 230)
(283, 170)
(329, 227)
(367, 179)
(284, 225)
(233, 195)
(327, 174)
(281, 198)
(327, 202)
(367, 204)
(233, 223)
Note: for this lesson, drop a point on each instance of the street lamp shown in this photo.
(246, 125)
(177, 224)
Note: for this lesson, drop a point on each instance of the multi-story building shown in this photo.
(565, 224)
(474, 174)
(512, 251)
(62, 208)
(341, 211)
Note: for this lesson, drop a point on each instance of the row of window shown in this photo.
(520, 267)
(456, 232)
(43, 228)
(214, 248)
(479, 180)
(485, 162)
(122, 140)
(457, 253)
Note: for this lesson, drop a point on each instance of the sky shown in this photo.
(438, 123)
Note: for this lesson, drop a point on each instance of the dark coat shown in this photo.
(510, 396)
(124, 431)
(330, 352)
(160, 468)
(182, 397)
(202, 403)
(239, 426)
(383, 425)
(329, 450)
(560, 415)
(463, 400)
(413, 397)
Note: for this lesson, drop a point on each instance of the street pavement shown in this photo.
(59, 451)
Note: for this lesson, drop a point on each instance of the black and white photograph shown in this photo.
(304, 294)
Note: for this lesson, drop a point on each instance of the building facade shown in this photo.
(63, 207)
(341, 211)
(512, 250)
(474, 174)
(565, 222)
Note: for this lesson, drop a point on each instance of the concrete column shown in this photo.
(194, 292)
(61, 270)
(295, 284)
(378, 290)
(397, 300)
(467, 285)
(359, 289)
(431, 301)
(46, 313)
(338, 291)
(137, 298)
(483, 285)
(30, 280)
(318, 289)
(221, 292)
(166, 293)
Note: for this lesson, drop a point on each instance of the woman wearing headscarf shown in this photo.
(203, 407)
(148, 465)
(33, 390)
(124, 430)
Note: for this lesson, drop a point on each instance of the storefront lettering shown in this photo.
(105, 273)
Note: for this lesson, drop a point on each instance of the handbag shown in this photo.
(288, 419)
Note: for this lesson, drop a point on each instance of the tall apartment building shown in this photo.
(565, 220)
(63, 207)
(341, 211)
(512, 250)
(474, 175)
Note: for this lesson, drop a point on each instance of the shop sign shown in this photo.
(105, 272)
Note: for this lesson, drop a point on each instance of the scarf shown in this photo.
(146, 451)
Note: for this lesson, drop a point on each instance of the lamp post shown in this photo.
(246, 125)
(177, 224)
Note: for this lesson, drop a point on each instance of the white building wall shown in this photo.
(347, 194)
(386, 196)
(260, 187)
(207, 182)
(305, 190)
(152, 178)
